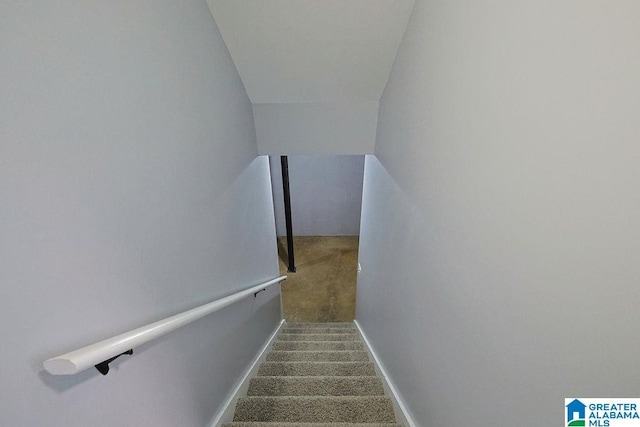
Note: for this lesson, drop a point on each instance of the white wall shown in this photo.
(501, 220)
(130, 191)
(316, 128)
(326, 194)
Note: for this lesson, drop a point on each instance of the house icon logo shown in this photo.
(576, 413)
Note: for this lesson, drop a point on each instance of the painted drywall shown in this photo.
(131, 190)
(312, 51)
(326, 194)
(313, 69)
(501, 220)
(316, 129)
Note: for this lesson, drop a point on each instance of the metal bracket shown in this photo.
(255, 294)
(103, 367)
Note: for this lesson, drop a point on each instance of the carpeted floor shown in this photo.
(323, 289)
(316, 375)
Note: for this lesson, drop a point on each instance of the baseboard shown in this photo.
(225, 414)
(402, 412)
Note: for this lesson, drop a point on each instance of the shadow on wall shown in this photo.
(283, 255)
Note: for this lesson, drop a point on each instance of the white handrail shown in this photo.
(91, 355)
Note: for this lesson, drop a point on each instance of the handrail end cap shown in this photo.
(57, 366)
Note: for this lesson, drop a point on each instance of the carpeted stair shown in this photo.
(316, 375)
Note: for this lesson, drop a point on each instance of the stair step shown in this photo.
(317, 356)
(317, 345)
(318, 337)
(319, 325)
(270, 424)
(316, 386)
(301, 369)
(356, 409)
(327, 330)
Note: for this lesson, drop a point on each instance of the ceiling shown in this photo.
(312, 51)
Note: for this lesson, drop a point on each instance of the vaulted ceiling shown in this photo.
(333, 54)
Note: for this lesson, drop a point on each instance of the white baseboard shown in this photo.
(402, 412)
(225, 414)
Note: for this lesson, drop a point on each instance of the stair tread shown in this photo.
(326, 330)
(317, 363)
(337, 399)
(318, 337)
(317, 345)
(319, 351)
(315, 386)
(320, 341)
(302, 355)
(285, 424)
(353, 409)
(320, 325)
(316, 368)
(318, 376)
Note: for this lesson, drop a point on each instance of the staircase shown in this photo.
(316, 375)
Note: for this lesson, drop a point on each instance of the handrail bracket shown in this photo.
(103, 367)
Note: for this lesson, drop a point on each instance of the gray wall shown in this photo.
(130, 191)
(316, 128)
(326, 194)
(501, 218)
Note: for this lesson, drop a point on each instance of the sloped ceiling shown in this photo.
(326, 52)
(306, 51)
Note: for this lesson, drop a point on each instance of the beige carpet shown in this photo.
(328, 386)
(323, 289)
